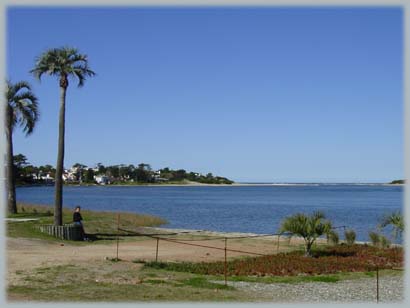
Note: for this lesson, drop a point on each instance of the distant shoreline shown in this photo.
(215, 185)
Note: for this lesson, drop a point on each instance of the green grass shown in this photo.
(331, 278)
(103, 224)
(108, 282)
(202, 282)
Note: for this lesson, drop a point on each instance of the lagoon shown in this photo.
(250, 209)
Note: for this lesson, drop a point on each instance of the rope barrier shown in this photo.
(212, 247)
(204, 239)
(197, 245)
(344, 227)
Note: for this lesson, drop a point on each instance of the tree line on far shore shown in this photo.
(26, 174)
(397, 182)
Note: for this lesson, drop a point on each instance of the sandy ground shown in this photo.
(28, 254)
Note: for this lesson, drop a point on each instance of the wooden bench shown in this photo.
(69, 232)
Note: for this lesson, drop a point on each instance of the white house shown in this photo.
(102, 179)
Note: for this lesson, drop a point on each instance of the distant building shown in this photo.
(69, 175)
(102, 179)
(158, 179)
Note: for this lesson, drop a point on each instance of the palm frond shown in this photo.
(23, 105)
(396, 220)
(63, 61)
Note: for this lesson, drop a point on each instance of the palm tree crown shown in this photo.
(308, 227)
(396, 220)
(22, 106)
(63, 62)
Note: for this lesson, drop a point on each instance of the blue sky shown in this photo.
(254, 94)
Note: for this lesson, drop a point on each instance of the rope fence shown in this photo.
(165, 237)
(184, 242)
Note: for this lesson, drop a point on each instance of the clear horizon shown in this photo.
(252, 94)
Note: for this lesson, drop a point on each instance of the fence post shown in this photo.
(277, 247)
(118, 230)
(377, 284)
(156, 254)
(225, 268)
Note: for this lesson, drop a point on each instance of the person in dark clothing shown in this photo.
(78, 220)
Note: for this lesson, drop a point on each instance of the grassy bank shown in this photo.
(98, 223)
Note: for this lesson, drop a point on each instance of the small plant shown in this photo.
(350, 237)
(139, 261)
(35, 211)
(23, 209)
(384, 242)
(333, 238)
(374, 238)
(379, 240)
(310, 227)
(396, 221)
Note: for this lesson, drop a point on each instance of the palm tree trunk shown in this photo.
(58, 204)
(11, 181)
(308, 248)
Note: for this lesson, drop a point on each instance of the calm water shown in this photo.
(256, 209)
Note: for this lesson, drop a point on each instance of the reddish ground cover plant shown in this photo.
(342, 258)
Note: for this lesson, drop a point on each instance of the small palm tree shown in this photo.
(350, 236)
(63, 63)
(396, 220)
(307, 227)
(21, 109)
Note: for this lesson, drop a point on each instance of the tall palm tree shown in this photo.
(396, 220)
(308, 227)
(21, 109)
(63, 63)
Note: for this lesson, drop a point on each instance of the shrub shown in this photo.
(384, 242)
(396, 221)
(310, 227)
(350, 237)
(333, 238)
(379, 240)
(374, 238)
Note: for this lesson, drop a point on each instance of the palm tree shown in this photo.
(21, 109)
(307, 227)
(396, 220)
(63, 63)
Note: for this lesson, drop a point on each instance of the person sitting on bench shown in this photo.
(78, 221)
